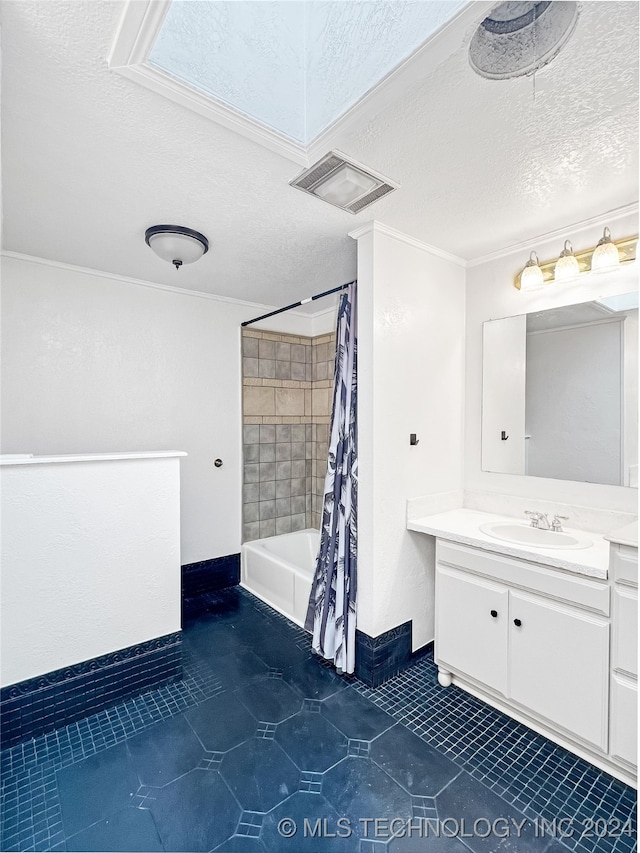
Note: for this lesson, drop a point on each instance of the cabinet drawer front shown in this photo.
(625, 629)
(624, 564)
(559, 665)
(515, 572)
(468, 638)
(624, 714)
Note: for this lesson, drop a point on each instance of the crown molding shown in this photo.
(602, 220)
(142, 19)
(163, 84)
(139, 26)
(378, 227)
(139, 282)
(137, 31)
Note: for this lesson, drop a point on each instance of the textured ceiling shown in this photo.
(91, 159)
(310, 60)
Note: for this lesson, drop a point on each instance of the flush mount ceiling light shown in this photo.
(518, 38)
(531, 275)
(343, 182)
(567, 265)
(605, 255)
(176, 244)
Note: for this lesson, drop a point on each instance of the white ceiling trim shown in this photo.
(185, 96)
(602, 219)
(141, 22)
(139, 282)
(137, 32)
(381, 228)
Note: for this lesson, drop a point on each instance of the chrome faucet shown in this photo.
(539, 519)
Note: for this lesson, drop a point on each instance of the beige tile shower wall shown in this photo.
(322, 368)
(286, 408)
(287, 382)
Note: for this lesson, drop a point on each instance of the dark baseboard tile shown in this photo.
(207, 576)
(380, 658)
(39, 705)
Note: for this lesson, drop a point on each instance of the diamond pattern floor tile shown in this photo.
(260, 774)
(306, 823)
(222, 722)
(311, 741)
(358, 789)
(418, 767)
(96, 788)
(356, 716)
(128, 831)
(197, 812)
(270, 700)
(77, 788)
(165, 751)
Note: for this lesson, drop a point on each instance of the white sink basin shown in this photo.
(524, 534)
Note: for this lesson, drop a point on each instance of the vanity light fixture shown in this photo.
(567, 265)
(605, 255)
(531, 275)
(176, 244)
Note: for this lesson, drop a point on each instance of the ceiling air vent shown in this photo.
(344, 183)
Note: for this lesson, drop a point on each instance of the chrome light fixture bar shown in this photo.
(608, 255)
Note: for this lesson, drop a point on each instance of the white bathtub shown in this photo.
(280, 569)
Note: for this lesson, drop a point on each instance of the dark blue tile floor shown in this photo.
(261, 747)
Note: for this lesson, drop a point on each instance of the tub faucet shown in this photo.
(539, 519)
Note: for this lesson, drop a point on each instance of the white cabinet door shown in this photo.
(471, 626)
(624, 719)
(558, 665)
(625, 629)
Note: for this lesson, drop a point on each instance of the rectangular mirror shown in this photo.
(560, 393)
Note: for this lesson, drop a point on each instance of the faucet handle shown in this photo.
(556, 524)
(535, 517)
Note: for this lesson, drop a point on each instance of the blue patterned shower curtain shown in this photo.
(331, 614)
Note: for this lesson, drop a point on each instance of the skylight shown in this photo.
(294, 67)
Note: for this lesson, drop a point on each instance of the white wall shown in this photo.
(491, 294)
(90, 560)
(410, 379)
(94, 364)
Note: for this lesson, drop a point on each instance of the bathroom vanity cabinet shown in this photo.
(548, 637)
(537, 640)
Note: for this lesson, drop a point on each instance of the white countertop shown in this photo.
(463, 526)
(28, 459)
(627, 535)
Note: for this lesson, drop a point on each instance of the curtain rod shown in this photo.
(298, 304)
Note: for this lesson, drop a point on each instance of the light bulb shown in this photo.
(531, 275)
(567, 265)
(605, 255)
